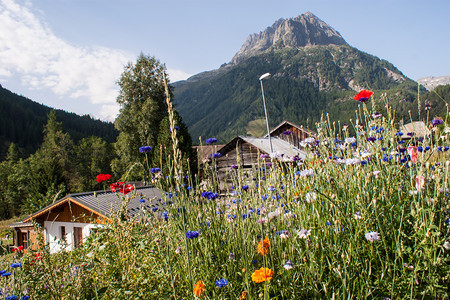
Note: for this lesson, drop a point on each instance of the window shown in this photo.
(25, 240)
(62, 231)
(77, 236)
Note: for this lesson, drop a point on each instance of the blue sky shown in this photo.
(68, 54)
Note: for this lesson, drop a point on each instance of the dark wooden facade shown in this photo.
(297, 133)
(236, 152)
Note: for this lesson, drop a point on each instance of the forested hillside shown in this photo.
(22, 121)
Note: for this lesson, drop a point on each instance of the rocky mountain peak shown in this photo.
(301, 31)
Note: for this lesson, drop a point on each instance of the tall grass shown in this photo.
(357, 219)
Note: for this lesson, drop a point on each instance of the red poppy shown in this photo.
(17, 249)
(121, 187)
(363, 96)
(102, 177)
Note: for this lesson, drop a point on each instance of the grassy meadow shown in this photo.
(365, 216)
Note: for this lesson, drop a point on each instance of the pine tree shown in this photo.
(143, 121)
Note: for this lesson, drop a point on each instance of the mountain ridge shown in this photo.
(314, 70)
(303, 30)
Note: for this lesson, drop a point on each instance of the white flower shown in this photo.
(309, 140)
(365, 154)
(447, 245)
(289, 265)
(350, 140)
(351, 161)
(357, 215)
(285, 234)
(273, 214)
(375, 173)
(303, 233)
(306, 173)
(276, 154)
(310, 197)
(372, 236)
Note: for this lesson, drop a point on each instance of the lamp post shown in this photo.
(264, 76)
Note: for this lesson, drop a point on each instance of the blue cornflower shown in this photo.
(144, 149)
(211, 141)
(363, 162)
(192, 234)
(245, 187)
(12, 297)
(155, 170)
(399, 134)
(16, 265)
(371, 139)
(439, 149)
(216, 155)
(221, 282)
(142, 200)
(420, 149)
(165, 215)
(427, 148)
(437, 121)
(154, 209)
(446, 148)
(6, 274)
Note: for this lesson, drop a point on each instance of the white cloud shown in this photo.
(176, 75)
(29, 48)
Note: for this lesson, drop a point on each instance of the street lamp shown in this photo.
(264, 76)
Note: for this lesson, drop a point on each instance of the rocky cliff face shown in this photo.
(431, 82)
(304, 30)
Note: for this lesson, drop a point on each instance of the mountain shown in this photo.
(22, 121)
(431, 82)
(304, 30)
(314, 71)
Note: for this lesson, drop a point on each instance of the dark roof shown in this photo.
(263, 145)
(287, 123)
(106, 202)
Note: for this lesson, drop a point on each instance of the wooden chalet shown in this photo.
(73, 217)
(291, 133)
(419, 129)
(245, 152)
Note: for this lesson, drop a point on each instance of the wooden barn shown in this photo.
(73, 217)
(419, 129)
(245, 152)
(291, 133)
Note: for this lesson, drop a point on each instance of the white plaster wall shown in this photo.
(53, 234)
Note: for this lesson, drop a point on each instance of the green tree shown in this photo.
(51, 167)
(142, 107)
(92, 157)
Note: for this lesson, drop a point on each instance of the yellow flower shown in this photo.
(243, 296)
(262, 274)
(199, 289)
(263, 246)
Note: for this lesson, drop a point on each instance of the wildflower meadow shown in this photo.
(366, 215)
